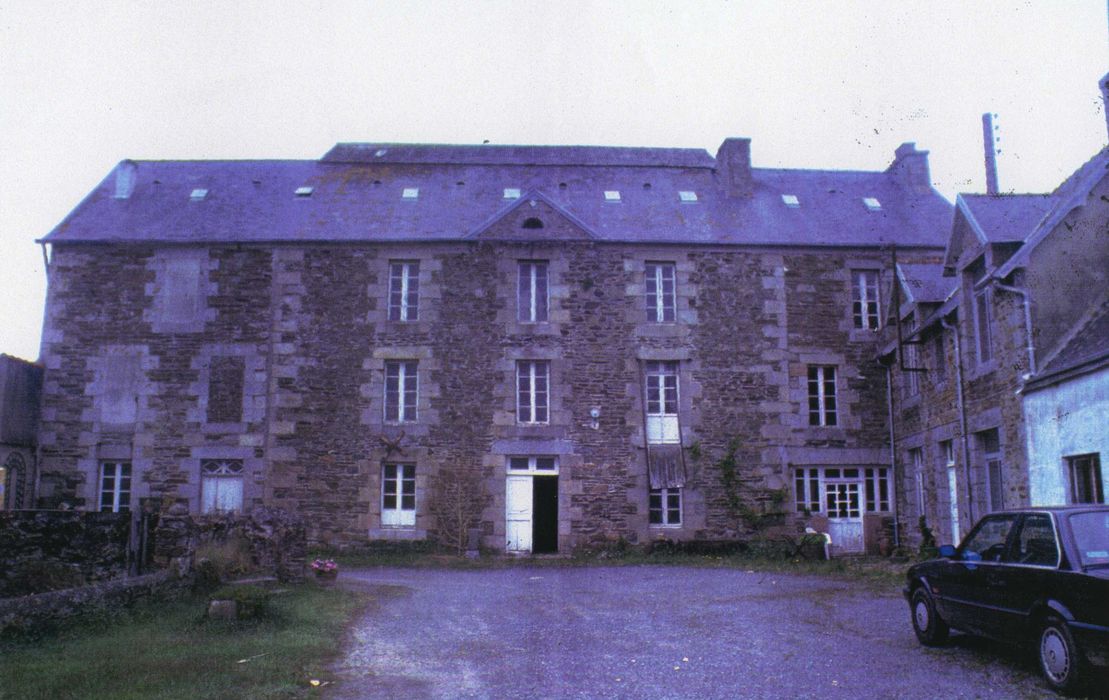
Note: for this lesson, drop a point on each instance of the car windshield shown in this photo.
(1091, 536)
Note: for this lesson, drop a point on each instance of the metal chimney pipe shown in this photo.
(989, 146)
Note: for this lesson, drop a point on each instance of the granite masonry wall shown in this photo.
(298, 336)
(41, 550)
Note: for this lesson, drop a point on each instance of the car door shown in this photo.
(963, 585)
(1023, 576)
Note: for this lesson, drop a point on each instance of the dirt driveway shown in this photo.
(658, 632)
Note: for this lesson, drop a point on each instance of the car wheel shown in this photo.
(1061, 661)
(930, 630)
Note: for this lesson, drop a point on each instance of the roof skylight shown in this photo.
(872, 203)
(687, 196)
(512, 193)
(612, 195)
(791, 201)
(304, 191)
(410, 193)
(198, 194)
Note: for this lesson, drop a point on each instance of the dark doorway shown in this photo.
(545, 514)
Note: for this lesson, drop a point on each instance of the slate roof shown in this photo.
(1087, 348)
(357, 197)
(1007, 218)
(925, 283)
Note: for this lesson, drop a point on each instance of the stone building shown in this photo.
(20, 386)
(562, 346)
(1023, 284)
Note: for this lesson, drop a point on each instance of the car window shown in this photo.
(1035, 543)
(1091, 537)
(987, 542)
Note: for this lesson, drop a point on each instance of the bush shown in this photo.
(229, 558)
(42, 575)
(251, 602)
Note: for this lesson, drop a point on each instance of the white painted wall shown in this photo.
(1066, 419)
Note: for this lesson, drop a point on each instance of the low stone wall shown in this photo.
(34, 611)
(276, 539)
(42, 550)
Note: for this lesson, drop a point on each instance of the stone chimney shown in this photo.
(126, 173)
(733, 163)
(1105, 99)
(910, 168)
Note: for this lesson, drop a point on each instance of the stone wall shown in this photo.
(311, 327)
(41, 550)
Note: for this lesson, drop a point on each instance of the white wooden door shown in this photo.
(845, 519)
(518, 499)
(953, 488)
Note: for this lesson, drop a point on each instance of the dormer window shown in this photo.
(512, 193)
(872, 203)
(198, 195)
(687, 196)
(303, 192)
(612, 196)
(791, 201)
(412, 193)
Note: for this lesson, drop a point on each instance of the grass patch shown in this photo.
(171, 650)
(876, 573)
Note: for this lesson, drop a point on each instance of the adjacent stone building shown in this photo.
(997, 397)
(561, 346)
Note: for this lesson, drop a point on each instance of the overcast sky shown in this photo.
(84, 85)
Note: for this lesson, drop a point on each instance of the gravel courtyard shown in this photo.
(661, 632)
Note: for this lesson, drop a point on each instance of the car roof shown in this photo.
(1062, 510)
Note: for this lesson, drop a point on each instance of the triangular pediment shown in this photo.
(533, 217)
(966, 238)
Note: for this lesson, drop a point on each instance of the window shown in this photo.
(410, 193)
(872, 203)
(303, 192)
(115, 487)
(533, 391)
(661, 293)
(221, 485)
(912, 361)
(662, 402)
(916, 462)
(791, 201)
(982, 323)
(1085, 479)
(687, 196)
(533, 464)
(1035, 543)
(404, 290)
(822, 395)
(665, 507)
(398, 495)
(864, 299)
(225, 389)
(532, 291)
(198, 195)
(400, 391)
(939, 358)
(808, 483)
(990, 447)
(988, 541)
(612, 196)
(512, 193)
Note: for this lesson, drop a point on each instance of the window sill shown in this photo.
(864, 335)
(656, 526)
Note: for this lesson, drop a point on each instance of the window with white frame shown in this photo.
(865, 308)
(398, 495)
(532, 291)
(983, 322)
(989, 446)
(912, 361)
(401, 391)
(661, 294)
(1085, 479)
(115, 487)
(662, 402)
(533, 391)
(540, 465)
(811, 483)
(664, 507)
(221, 485)
(404, 290)
(822, 395)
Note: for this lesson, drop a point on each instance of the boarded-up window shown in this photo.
(119, 387)
(180, 291)
(225, 389)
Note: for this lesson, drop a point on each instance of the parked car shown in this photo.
(1037, 576)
